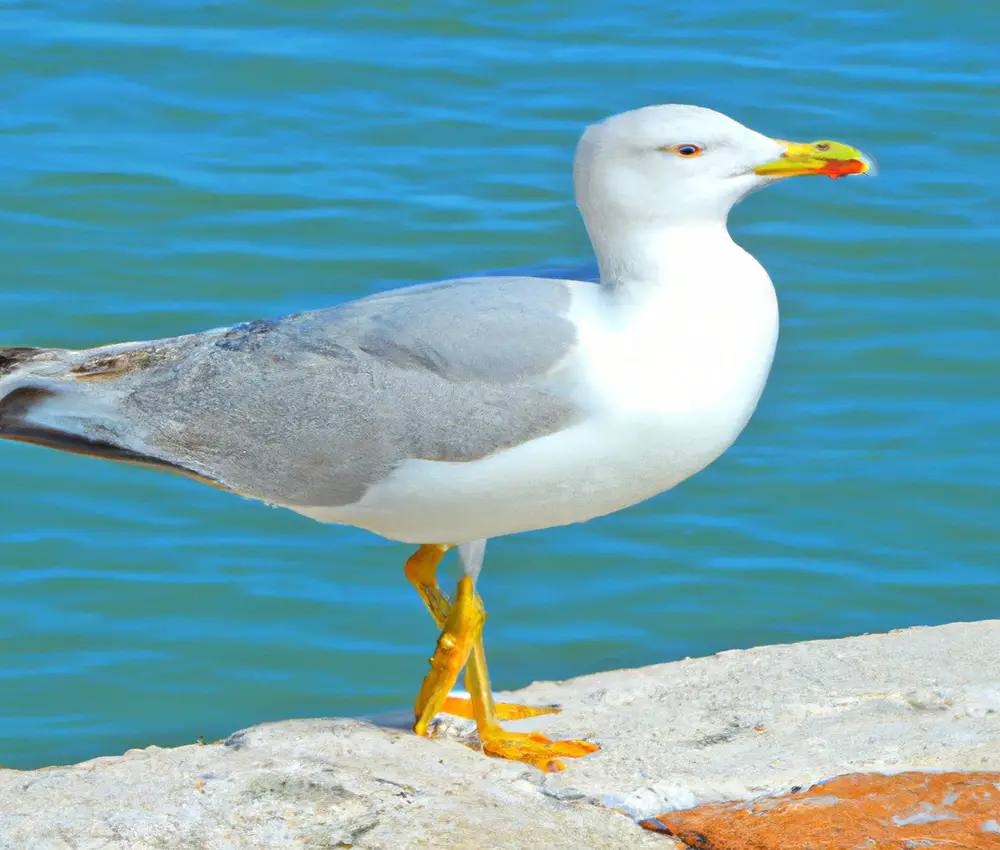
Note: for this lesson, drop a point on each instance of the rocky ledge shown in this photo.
(674, 737)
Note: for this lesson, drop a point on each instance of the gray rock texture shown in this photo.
(734, 725)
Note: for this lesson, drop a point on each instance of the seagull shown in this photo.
(448, 413)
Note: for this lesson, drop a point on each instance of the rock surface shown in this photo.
(731, 726)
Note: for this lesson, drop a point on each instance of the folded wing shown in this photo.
(314, 408)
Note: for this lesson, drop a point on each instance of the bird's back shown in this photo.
(313, 408)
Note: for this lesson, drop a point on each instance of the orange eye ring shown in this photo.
(688, 151)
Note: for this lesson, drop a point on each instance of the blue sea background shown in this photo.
(170, 167)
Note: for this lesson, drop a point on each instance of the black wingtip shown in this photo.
(73, 443)
(15, 406)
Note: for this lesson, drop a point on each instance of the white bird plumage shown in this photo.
(450, 413)
(673, 349)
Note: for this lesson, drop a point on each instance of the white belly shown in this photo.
(667, 390)
(592, 469)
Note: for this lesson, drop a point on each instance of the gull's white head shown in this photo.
(673, 164)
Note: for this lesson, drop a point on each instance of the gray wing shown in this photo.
(312, 409)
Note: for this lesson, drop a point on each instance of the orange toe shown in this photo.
(534, 749)
(461, 707)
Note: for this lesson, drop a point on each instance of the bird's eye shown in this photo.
(686, 150)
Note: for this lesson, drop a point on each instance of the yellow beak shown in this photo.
(830, 158)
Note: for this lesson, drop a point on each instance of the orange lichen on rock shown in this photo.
(861, 811)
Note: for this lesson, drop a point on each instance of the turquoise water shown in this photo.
(174, 167)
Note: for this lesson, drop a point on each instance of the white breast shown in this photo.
(670, 377)
(682, 369)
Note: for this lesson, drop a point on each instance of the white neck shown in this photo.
(683, 331)
(634, 260)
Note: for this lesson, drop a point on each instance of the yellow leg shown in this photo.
(530, 747)
(421, 570)
(460, 644)
(453, 647)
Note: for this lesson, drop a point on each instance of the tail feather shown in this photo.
(37, 407)
(49, 398)
(25, 381)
